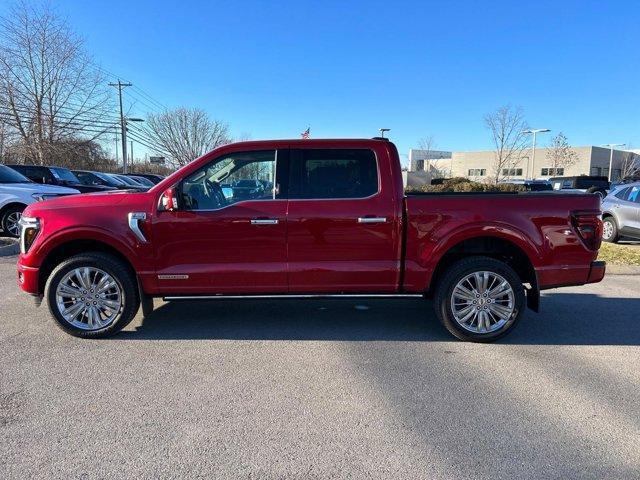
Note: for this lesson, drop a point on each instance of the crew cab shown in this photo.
(335, 223)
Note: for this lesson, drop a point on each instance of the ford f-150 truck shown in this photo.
(334, 222)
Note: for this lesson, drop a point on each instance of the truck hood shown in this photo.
(32, 187)
(85, 200)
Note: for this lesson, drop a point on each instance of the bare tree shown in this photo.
(427, 145)
(50, 90)
(506, 125)
(560, 154)
(630, 165)
(185, 134)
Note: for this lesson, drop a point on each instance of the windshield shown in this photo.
(110, 179)
(65, 174)
(144, 181)
(8, 175)
(128, 181)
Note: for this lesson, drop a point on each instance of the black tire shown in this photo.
(6, 220)
(458, 271)
(609, 222)
(116, 269)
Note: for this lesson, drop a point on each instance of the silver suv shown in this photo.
(621, 213)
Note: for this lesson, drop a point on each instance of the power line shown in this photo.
(72, 120)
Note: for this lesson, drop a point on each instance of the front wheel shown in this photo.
(479, 299)
(92, 295)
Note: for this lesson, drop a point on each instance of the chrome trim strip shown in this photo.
(264, 221)
(372, 220)
(133, 219)
(290, 296)
(173, 277)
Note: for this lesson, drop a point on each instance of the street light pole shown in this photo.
(534, 132)
(611, 147)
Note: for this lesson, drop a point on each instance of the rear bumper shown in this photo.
(566, 276)
(597, 271)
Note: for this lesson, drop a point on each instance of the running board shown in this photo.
(286, 296)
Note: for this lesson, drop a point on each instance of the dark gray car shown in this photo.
(621, 213)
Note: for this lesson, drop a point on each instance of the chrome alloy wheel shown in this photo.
(607, 230)
(13, 223)
(482, 302)
(89, 298)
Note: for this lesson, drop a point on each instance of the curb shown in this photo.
(622, 270)
(9, 246)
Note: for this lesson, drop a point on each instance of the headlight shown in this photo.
(29, 228)
(41, 197)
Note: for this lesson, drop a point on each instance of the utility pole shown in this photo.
(123, 122)
(131, 143)
(611, 147)
(534, 132)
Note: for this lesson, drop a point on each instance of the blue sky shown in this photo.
(345, 68)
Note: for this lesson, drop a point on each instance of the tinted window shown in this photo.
(8, 175)
(64, 174)
(622, 194)
(333, 174)
(231, 179)
(634, 194)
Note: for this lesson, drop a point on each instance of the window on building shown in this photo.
(617, 173)
(511, 172)
(596, 171)
(552, 172)
(419, 165)
(477, 172)
(605, 172)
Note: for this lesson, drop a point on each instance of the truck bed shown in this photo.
(540, 224)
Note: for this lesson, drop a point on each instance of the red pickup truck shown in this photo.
(305, 218)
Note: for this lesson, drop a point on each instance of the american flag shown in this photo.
(306, 133)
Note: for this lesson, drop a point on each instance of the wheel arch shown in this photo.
(71, 248)
(495, 247)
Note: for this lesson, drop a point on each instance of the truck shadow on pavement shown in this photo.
(565, 319)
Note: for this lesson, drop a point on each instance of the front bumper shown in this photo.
(597, 271)
(28, 279)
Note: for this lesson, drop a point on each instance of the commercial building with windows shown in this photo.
(480, 165)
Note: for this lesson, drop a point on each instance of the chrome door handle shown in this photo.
(372, 220)
(264, 221)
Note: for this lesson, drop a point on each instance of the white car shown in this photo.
(16, 192)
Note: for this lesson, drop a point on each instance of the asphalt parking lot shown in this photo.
(330, 389)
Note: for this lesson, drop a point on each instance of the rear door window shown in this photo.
(333, 173)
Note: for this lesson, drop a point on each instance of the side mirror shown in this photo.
(168, 200)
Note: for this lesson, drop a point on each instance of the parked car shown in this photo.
(154, 178)
(57, 176)
(532, 185)
(621, 213)
(16, 192)
(110, 179)
(337, 224)
(581, 184)
(145, 182)
(129, 182)
(248, 188)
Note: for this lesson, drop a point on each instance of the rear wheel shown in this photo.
(10, 220)
(92, 295)
(609, 230)
(479, 299)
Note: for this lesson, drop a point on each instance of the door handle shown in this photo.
(264, 221)
(372, 220)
